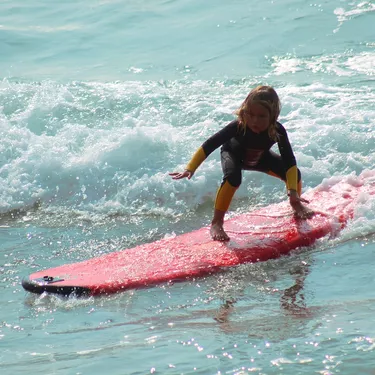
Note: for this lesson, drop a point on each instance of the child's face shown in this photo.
(257, 117)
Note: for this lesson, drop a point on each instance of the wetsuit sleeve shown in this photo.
(289, 159)
(292, 178)
(211, 144)
(197, 159)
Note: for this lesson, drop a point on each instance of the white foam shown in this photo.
(357, 10)
(101, 148)
(340, 64)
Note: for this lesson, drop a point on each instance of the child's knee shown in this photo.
(234, 179)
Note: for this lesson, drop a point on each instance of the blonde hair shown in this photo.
(268, 98)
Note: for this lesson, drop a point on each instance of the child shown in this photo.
(246, 144)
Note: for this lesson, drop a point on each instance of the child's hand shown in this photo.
(178, 175)
(300, 210)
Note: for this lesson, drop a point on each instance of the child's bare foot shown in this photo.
(217, 233)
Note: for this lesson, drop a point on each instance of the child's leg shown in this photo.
(232, 179)
(224, 196)
(273, 165)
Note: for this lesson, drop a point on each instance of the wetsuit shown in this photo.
(250, 151)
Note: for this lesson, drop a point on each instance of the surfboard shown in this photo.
(260, 235)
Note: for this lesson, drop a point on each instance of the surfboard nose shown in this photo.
(45, 285)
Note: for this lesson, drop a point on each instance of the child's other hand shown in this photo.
(178, 175)
(294, 197)
(300, 210)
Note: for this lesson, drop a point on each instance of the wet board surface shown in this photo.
(260, 235)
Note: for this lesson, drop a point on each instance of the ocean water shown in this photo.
(99, 101)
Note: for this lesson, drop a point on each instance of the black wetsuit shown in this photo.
(251, 151)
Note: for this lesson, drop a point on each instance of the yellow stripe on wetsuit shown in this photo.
(292, 178)
(226, 191)
(196, 160)
(224, 196)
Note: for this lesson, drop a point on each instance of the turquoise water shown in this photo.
(99, 101)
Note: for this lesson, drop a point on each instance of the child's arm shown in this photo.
(197, 159)
(210, 145)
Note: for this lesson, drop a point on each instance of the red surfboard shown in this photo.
(256, 236)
